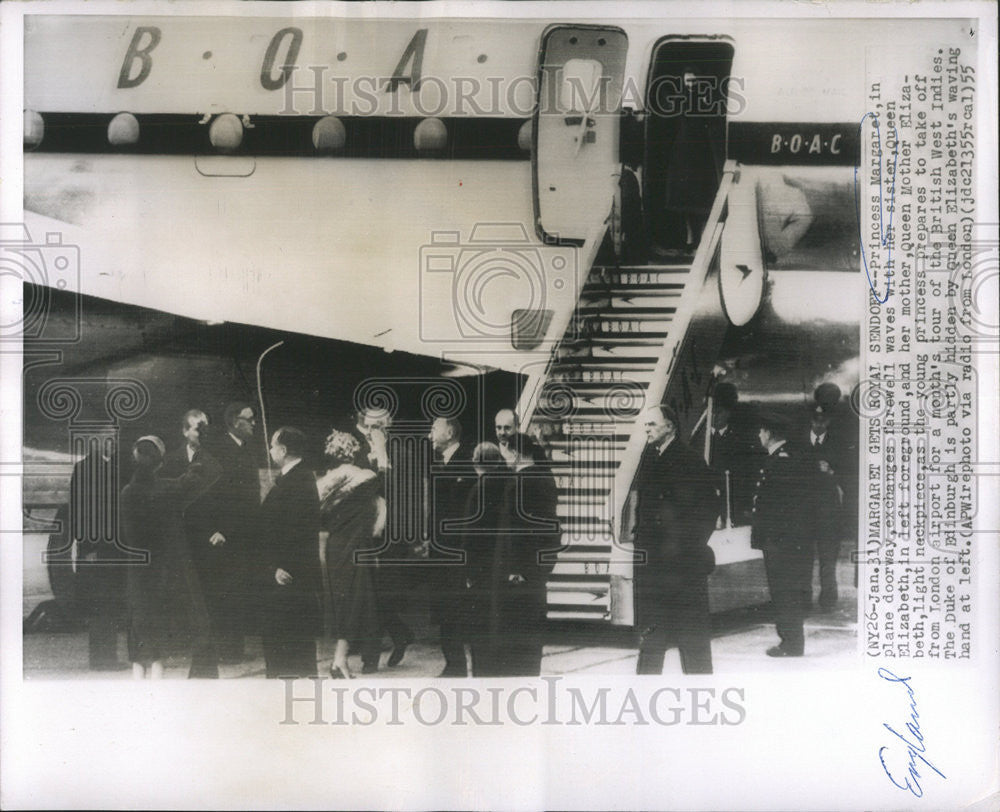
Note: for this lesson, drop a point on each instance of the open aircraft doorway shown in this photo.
(685, 138)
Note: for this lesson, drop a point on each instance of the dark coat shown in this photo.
(94, 522)
(737, 452)
(199, 513)
(676, 511)
(448, 492)
(236, 495)
(515, 525)
(289, 540)
(152, 522)
(289, 530)
(784, 504)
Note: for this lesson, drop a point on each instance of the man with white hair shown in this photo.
(676, 506)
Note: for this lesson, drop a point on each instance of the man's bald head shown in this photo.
(506, 426)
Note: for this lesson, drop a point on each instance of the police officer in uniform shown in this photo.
(826, 447)
(783, 528)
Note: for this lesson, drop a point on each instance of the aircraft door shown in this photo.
(576, 128)
(687, 96)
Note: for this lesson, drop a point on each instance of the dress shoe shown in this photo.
(399, 651)
(779, 651)
(369, 668)
(336, 672)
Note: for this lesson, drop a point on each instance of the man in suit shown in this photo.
(833, 453)
(783, 510)
(733, 453)
(197, 529)
(289, 528)
(824, 453)
(93, 528)
(513, 441)
(676, 505)
(451, 478)
(225, 554)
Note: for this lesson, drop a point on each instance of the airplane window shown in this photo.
(580, 91)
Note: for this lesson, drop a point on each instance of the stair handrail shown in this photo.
(621, 553)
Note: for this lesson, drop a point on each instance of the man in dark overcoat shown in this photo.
(783, 527)
(193, 614)
(225, 555)
(289, 543)
(676, 506)
(451, 476)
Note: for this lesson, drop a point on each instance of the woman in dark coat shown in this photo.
(517, 533)
(152, 521)
(350, 507)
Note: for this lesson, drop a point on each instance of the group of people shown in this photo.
(316, 554)
(795, 495)
(491, 519)
(322, 552)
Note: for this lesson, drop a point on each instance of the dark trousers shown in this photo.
(676, 615)
(827, 551)
(789, 579)
(101, 591)
(223, 581)
(508, 640)
(204, 655)
(447, 588)
(288, 634)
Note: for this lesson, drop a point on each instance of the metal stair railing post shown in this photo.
(621, 552)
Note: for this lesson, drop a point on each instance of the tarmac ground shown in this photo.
(739, 641)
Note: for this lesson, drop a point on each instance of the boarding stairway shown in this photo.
(616, 355)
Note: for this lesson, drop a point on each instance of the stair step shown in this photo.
(628, 364)
(591, 388)
(591, 449)
(614, 326)
(600, 371)
(639, 275)
(626, 303)
(617, 400)
(618, 430)
(627, 312)
(635, 346)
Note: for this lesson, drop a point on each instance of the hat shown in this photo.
(726, 395)
(827, 395)
(156, 441)
(774, 423)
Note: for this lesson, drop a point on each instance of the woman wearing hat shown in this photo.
(151, 513)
